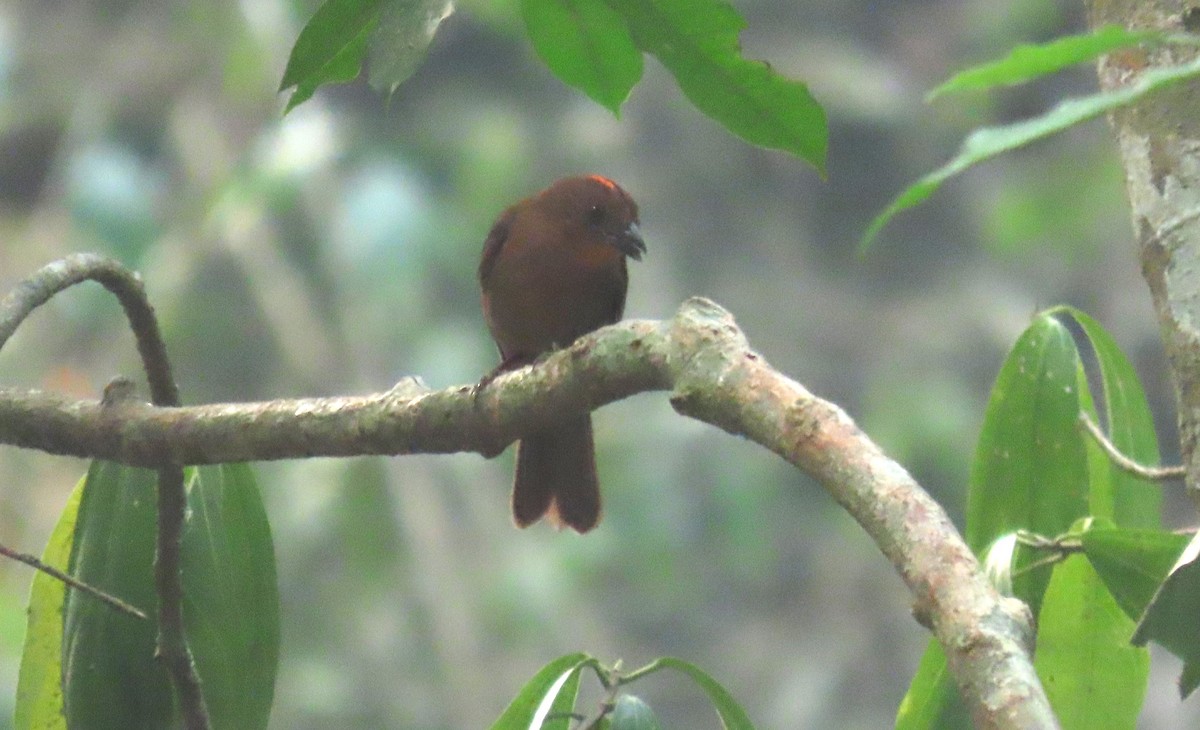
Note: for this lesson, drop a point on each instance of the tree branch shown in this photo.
(715, 377)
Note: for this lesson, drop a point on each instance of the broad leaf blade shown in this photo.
(554, 676)
(1028, 62)
(39, 702)
(1092, 675)
(231, 597)
(110, 676)
(697, 40)
(985, 143)
(586, 44)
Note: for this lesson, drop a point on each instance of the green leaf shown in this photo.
(330, 48)
(1092, 676)
(401, 39)
(586, 44)
(1170, 619)
(733, 717)
(39, 704)
(231, 596)
(559, 717)
(110, 676)
(1132, 502)
(932, 700)
(1132, 563)
(519, 714)
(631, 713)
(985, 143)
(1028, 62)
(697, 40)
(1030, 470)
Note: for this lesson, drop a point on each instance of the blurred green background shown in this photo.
(334, 251)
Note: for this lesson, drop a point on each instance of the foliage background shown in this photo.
(334, 250)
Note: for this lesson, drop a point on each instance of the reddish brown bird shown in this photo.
(553, 269)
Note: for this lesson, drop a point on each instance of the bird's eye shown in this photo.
(595, 215)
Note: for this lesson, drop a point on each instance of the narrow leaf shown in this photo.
(110, 676)
(231, 596)
(586, 44)
(39, 703)
(1028, 62)
(985, 143)
(1030, 467)
(697, 40)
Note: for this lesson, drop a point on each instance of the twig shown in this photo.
(168, 576)
(34, 562)
(1126, 464)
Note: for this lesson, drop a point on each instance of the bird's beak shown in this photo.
(630, 243)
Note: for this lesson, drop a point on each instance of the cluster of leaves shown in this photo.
(1061, 527)
(594, 45)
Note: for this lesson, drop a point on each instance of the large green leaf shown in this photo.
(39, 704)
(110, 676)
(586, 44)
(1028, 62)
(1092, 675)
(697, 40)
(231, 596)
(985, 143)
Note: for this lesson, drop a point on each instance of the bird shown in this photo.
(553, 269)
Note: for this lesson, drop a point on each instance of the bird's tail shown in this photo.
(556, 477)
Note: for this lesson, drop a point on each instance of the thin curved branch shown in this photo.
(126, 285)
(702, 356)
